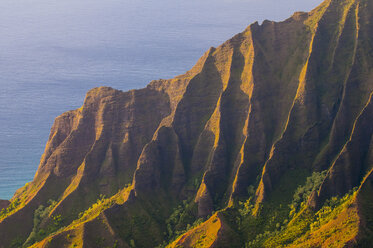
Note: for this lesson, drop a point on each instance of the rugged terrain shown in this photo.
(266, 142)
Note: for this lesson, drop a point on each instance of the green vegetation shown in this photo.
(16, 243)
(10, 209)
(303, 192)
(181, 219)
(96, 208)
(302, 224)
(307, 222)
(279, 225)
(332, 208)
(41, 217)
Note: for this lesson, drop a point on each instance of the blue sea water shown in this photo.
(53, 51)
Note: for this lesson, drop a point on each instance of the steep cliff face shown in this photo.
(266, 142)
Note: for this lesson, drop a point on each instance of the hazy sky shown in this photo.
(32, 31)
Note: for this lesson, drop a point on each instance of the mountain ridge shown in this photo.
(265, 142)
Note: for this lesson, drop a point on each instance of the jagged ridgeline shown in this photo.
(266, 142)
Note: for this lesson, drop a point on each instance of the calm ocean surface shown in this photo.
(53, 51)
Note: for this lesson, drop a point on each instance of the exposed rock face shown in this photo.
(278, 98)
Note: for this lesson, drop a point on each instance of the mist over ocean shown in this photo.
(52, 52)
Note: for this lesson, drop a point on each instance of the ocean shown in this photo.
(52, 52)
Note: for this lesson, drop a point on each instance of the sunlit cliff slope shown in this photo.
(266, 142)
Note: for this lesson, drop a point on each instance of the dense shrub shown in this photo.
(7, 211)
(40, 215)
(303, 192)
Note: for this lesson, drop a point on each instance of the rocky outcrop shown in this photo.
(355, 159)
